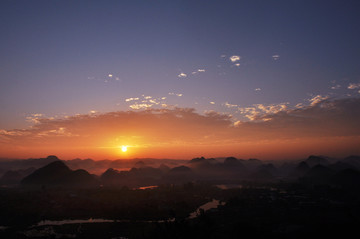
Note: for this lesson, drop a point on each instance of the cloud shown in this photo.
(353, 86)
(237, 64)
(34, 118)
(317, 99)
(276, 57)
(336, 87)
(228, 105)
(140, 106)
(212, 102)
(258, 89)
(182, 75)
(176, 94)
(234, 58)
(110, 75)
(201, 70)
(167, 129)
(131, 99)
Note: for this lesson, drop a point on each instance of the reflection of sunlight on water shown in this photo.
(207, 206)
(147, 187)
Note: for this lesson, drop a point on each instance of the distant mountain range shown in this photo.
(313, 170)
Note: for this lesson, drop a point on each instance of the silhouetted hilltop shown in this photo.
(299, 171)
(13, 177)
(180, 169)
(315, 160)
(353, 160)
(319, 174)
(139, 164)
(340, 165)
(57, 173)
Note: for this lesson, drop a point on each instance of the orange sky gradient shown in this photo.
(329, 127)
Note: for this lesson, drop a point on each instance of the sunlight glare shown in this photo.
(124, 148)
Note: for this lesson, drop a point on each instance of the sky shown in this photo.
(179, 79)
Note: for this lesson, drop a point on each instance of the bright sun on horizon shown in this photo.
(124, 148)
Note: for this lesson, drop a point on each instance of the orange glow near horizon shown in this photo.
(181, 134)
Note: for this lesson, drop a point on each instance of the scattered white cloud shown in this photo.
(154, 101)
(212, 102)
(228, 105)
(299, 106)
(353, 86)
(92, 111)
(35, 118)
(201, 70)
(234, 58)
(110, 75)
(336, 87)
(237, 123)
(140, 106)
(273, 108)
(258, 89)
(276, 57)
(182, 75)
(147, 97)
(177, 94)
(131, 99)
(317, 99)
(223, 56)
(237, 64)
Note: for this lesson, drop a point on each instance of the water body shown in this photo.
(207, 206)
(229, 186)
(147, 187)
(71, 221)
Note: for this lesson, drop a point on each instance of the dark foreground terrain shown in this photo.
(257, 211)
(205, 198)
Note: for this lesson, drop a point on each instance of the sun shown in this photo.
(124, 148)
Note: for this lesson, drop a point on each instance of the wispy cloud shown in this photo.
(131, 99)
(276, 57)
(317, 99)
(353, 86)
(182, 75)
(258, 89)
(176, 94)
(228, 105)
(140, 106)
(234, 58)
(335, 87)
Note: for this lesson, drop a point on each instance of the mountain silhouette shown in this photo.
(353, 160)
(57, 173)
(13, 177)
(315, 160)
(319, 174)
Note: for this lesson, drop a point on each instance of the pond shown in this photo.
(207, 206)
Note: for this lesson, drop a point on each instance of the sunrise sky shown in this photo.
(179, 79)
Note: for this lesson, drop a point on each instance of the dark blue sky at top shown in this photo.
(56, 56)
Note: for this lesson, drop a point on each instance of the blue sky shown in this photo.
(62, 58)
